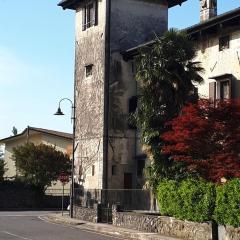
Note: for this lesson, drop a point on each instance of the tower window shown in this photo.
(93, 170)
(224, 43)
(89, 70)
(90, 14)
(114, 170)
(132, 104)
(140, 167)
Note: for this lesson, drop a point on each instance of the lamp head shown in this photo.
(59, 112)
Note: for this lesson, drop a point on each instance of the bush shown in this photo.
(189, 199)
(227, 210)
(168, 199)
(41, 164)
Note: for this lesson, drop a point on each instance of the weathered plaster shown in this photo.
(90, 49)
(131, 22)
(217, 62)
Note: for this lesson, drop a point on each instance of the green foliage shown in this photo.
(168, 198)
(166, 75)
(40, 164)
(227, 210)
(190, 199)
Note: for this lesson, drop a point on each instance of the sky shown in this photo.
(37, 60)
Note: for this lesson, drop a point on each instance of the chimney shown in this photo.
(208, 9)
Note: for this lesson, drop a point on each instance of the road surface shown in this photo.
(29, 226)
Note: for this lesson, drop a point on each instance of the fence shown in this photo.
(129, 199)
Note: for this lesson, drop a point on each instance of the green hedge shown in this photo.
(227, 210)
(189, 199)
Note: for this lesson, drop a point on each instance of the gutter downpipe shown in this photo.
(106, 98)
(74, 138)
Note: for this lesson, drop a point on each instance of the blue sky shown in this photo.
(37, 60)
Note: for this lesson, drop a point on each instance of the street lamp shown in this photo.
(73, 119)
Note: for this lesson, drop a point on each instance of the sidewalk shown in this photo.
(106, 229)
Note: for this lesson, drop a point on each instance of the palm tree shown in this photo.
(166, 75)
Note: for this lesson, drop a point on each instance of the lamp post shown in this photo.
(73, 119)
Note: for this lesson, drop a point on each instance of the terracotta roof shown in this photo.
(40, 130)
(71, 4)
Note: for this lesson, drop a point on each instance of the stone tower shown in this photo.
(208, 9)
(105, 90)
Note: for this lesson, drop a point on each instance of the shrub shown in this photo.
(205, 136)
(190, 199)
(227, 210)
(40, 164)
(168, 199)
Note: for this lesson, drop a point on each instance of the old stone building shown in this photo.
(217, 40)
(107, 154)
(109, 34)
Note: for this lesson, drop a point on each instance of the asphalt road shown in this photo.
(29, 226)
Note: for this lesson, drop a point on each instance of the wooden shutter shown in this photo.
(95, 21)
(212, 91)
(84, 10)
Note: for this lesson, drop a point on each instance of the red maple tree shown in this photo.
(206, 137)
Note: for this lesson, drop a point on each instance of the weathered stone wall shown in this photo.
(122, 139)
(163, 225)
(228, 233)
(132, 22)
(89, 92)
(217, 62)
(86, 214)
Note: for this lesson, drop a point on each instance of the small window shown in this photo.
(140, 167)
(89, 69)
(132, 104)
(221, 89)
(224, 43)
(114, 170)
(93, 170)
(224, 90)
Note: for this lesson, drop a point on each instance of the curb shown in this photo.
(105, 229)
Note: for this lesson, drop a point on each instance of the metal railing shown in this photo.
(129, 199)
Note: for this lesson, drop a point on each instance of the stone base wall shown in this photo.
(86, 214)
(228, 233)
(163, 225)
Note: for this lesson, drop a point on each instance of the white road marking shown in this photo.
(17, 236)
(18, 215)
(77, 227)
(105, 235)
